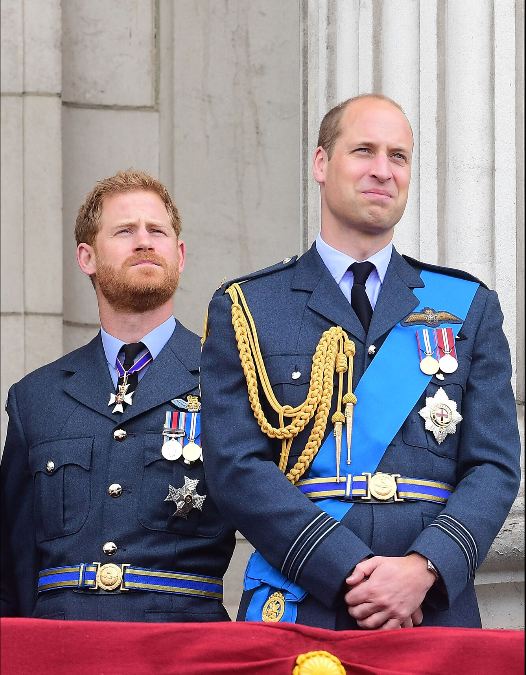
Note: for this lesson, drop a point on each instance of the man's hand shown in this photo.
(388, 592)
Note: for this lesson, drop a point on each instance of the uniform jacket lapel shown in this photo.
(173, 373)
(326, 299)
(395, 301)
(90, 382)
(396, 298)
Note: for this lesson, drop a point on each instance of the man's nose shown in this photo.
(143, 240)
(381, 167)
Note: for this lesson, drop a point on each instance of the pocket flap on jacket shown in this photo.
(282, 367)
(61, 452)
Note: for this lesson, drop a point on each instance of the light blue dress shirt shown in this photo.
(154, 341)
(338, 263)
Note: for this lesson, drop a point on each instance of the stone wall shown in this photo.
(222, 101)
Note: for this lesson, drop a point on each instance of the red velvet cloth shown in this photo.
(44, 647)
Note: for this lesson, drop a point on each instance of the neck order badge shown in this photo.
(128, 377)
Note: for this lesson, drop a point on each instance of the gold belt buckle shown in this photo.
(382, 486)
(110, 576)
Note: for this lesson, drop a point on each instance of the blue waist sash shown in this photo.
(388, 406)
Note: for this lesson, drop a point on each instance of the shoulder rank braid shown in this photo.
(334, 352)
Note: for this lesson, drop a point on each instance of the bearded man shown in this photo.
(106, 514)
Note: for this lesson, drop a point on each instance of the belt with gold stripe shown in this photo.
(378, 487)
(111, 577)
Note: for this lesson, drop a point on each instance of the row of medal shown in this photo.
(182, 436)
(436, 348)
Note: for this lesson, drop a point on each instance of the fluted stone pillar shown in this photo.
(31, 189)
(451, 65)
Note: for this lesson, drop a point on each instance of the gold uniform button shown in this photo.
(50, 466)
(115, 490)
(110, 548)
(119, 434)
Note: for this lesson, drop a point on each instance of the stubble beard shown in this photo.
(140, 289)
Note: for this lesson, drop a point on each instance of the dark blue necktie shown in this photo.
(131, 352)
(359, 300)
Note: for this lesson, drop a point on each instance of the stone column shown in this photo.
(451, 66)
(230, 138)
(31, 188)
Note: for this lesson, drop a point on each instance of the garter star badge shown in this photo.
(440, 415)
(185, 497)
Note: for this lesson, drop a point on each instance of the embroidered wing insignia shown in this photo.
(430, 317)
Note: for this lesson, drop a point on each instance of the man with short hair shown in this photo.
(106, 514)
(362, 430)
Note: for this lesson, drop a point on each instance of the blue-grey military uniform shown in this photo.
(292, 304)
(64, 450)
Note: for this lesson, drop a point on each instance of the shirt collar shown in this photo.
(154, 340)
(338, 263)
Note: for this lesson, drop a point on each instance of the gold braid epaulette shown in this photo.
(332, 353)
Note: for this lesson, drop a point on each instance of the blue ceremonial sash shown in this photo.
(390, 405)
(258, 570)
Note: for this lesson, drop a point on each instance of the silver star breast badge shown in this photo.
(185, 497)
(440, 415)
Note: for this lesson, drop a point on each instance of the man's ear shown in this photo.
(181, 255)
(319, 165)
(86, 259)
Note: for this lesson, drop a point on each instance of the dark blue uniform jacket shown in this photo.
(60, 413)
(292, 304)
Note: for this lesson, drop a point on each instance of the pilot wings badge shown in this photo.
(429, 317)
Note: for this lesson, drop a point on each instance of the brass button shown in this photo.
(110, 548)
(50, 466)
(119, 434)
(372, 350)
(115, 490)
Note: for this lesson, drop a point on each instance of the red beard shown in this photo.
(140, 288)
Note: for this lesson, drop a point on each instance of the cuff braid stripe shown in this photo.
(305, 544)
(462, 536)
(467, 533)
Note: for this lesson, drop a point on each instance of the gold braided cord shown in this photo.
(205, 330)
(318, 401)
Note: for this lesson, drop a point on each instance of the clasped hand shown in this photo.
(388, 592)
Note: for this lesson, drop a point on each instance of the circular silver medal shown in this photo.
(448, 364)
(172, 450)
(191, 451)
(429, 365)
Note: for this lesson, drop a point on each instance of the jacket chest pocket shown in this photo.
(61, 475)
(157, 514)
(289, 376)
